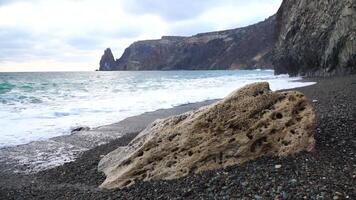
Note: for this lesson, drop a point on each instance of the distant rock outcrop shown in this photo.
(249, 123)
(107, 61)
(243, 48)
(316, 37)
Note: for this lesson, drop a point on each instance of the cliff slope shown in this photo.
(248, 47)
(316, 37)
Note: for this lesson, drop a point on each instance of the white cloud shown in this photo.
(40, 34)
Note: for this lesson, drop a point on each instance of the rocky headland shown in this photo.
(243, 48)
(308, 38)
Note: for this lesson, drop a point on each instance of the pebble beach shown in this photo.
(326, 173)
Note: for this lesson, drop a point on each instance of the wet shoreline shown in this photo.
(326, 173)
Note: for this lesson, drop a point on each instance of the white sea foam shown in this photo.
(39, 106)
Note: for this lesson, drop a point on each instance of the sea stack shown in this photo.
(107, 61)
(249, 123)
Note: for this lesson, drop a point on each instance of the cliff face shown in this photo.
(243, 48)
(306, 37)
(316, 37)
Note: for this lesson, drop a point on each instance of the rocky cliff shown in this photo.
(243, 48)
(307, 37)
(316, 37)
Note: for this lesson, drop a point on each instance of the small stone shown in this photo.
(258, 197)
(279, 188)
(321, 196)
(285, 195)
(336, 197)
(224, 187)
(277, 166)
(244, 183)
(315, 101)
(78, 129)
(293, 180)
(187, 193)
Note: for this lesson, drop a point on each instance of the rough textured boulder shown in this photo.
(316, 37)
(242, 48)
(249, 123)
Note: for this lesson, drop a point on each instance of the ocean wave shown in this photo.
(6, 87)
(44, 105)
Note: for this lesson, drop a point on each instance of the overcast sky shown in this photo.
(71, 35)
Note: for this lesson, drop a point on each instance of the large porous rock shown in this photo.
(249, 123)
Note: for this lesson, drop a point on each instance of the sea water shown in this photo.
(38, 106)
